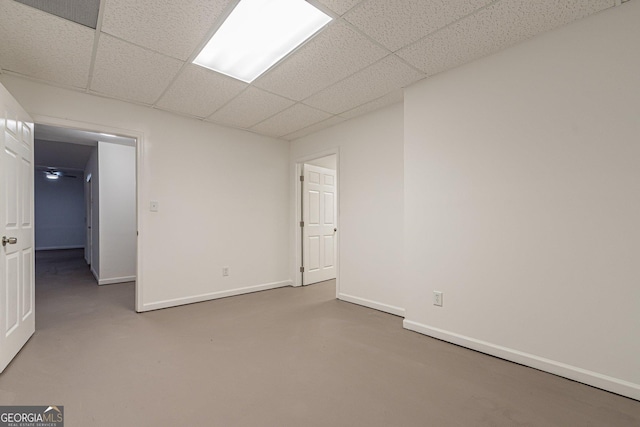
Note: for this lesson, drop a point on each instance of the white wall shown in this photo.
(370, 180)
(522, 176)
(59, 212)
(117, 195)
(223, 196)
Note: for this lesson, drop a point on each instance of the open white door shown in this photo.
(17, 299)
(319, 213)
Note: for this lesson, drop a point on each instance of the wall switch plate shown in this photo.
(437, 298)
(225, 271)
(153, 206)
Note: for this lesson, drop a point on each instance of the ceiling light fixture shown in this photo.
(257, 34)
(52, 175)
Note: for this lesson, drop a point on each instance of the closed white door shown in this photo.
(17, 302)
(319, 212)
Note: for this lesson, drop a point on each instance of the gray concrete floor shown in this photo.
(285, 357)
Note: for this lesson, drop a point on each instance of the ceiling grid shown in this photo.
(141, 52)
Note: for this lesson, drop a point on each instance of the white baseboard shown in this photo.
(114, 280)
(591, 378)
(213, 295)
(57, 248)
(398, 311)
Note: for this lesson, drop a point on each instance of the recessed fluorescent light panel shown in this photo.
(257, 34)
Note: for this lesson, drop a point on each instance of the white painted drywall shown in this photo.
(91, 169)
(223, 196)
(59, 212)
(522, 176)
(117, 212)
(370, 179)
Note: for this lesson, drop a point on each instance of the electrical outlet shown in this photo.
(225, 271)
(437, 298)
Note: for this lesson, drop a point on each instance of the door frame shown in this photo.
(88, 220)
(297, 247)
(141, 183)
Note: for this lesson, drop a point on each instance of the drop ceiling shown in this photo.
(141, 52)
(61, 155)
(69, 149)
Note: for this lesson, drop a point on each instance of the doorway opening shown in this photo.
(86, 199)
(317, 219)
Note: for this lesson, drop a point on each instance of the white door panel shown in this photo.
(329, 207)
(319, 217)
(28, 297)
(17, 304)
(329, 244)
(314, 254)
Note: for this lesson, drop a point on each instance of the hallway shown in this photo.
(66, 290)
(285, 357)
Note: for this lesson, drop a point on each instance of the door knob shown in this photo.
(335, 229)
(10, 240)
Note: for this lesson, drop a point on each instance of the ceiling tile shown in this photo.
(172, 27)
(250, 107)
(340, 7)
(83, 12)
(344, 70)
(335, 53)
(290, 120)
(494, 28)
(367, 85)
(388, 99)
(334, 120)
(31, 50)
(126, 71)
(199, 92)
(396, 23)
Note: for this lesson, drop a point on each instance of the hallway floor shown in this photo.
(284, 357)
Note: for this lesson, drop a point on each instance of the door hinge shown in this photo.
(301, 223)
(301, 177)
(301, 269)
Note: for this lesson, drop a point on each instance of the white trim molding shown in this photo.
(142, 181)
(591, 378)
(116, 280)
(214, 295)
(398, 311)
